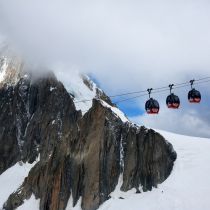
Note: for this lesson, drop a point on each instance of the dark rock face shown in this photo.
(147, 158)
(81, 157)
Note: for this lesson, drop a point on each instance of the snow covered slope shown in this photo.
(74, 84)
(83, 89)
(31, 204)
(12, 178)
(187, 188)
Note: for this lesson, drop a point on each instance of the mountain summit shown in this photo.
(64, 150)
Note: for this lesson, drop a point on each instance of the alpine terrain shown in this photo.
(59, 150)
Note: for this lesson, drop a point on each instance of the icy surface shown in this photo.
(70, 205)
(31, 204)
(74, 84)
(83, 94)
(187, 188)
(3, 69)
(12, 179)
(52, 88)
(116, 111)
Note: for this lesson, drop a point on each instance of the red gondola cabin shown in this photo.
(172, 101)
(194, 96)
(152, 106)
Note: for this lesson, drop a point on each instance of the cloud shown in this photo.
(127, 45)
(187, 123)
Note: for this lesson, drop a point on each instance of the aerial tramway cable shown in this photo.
(159, 91)
(172, 101)
(164, 88)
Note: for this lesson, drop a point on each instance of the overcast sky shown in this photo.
(125, 45)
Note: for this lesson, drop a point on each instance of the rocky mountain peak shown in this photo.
(82, 149)
(11, 70)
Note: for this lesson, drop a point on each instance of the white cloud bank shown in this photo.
(189, 122)
(127, 45)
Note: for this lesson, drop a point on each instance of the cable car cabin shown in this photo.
(172, 101)
(152, 106)
(194, 96)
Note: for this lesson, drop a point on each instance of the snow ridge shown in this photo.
(81, 93)
(116, 111)
(84, 90)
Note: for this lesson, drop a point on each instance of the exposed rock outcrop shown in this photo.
(80, 156)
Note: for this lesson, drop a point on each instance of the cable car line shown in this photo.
(160, 88)
(172, 101)
(159, 91)
(164, 88)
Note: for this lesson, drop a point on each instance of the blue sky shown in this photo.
(190, 119)
(131, 108)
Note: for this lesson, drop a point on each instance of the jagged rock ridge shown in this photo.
(80, 156)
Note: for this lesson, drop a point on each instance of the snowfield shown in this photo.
(75, 85)
(31, 204)
(12, 179)
(187, 188)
